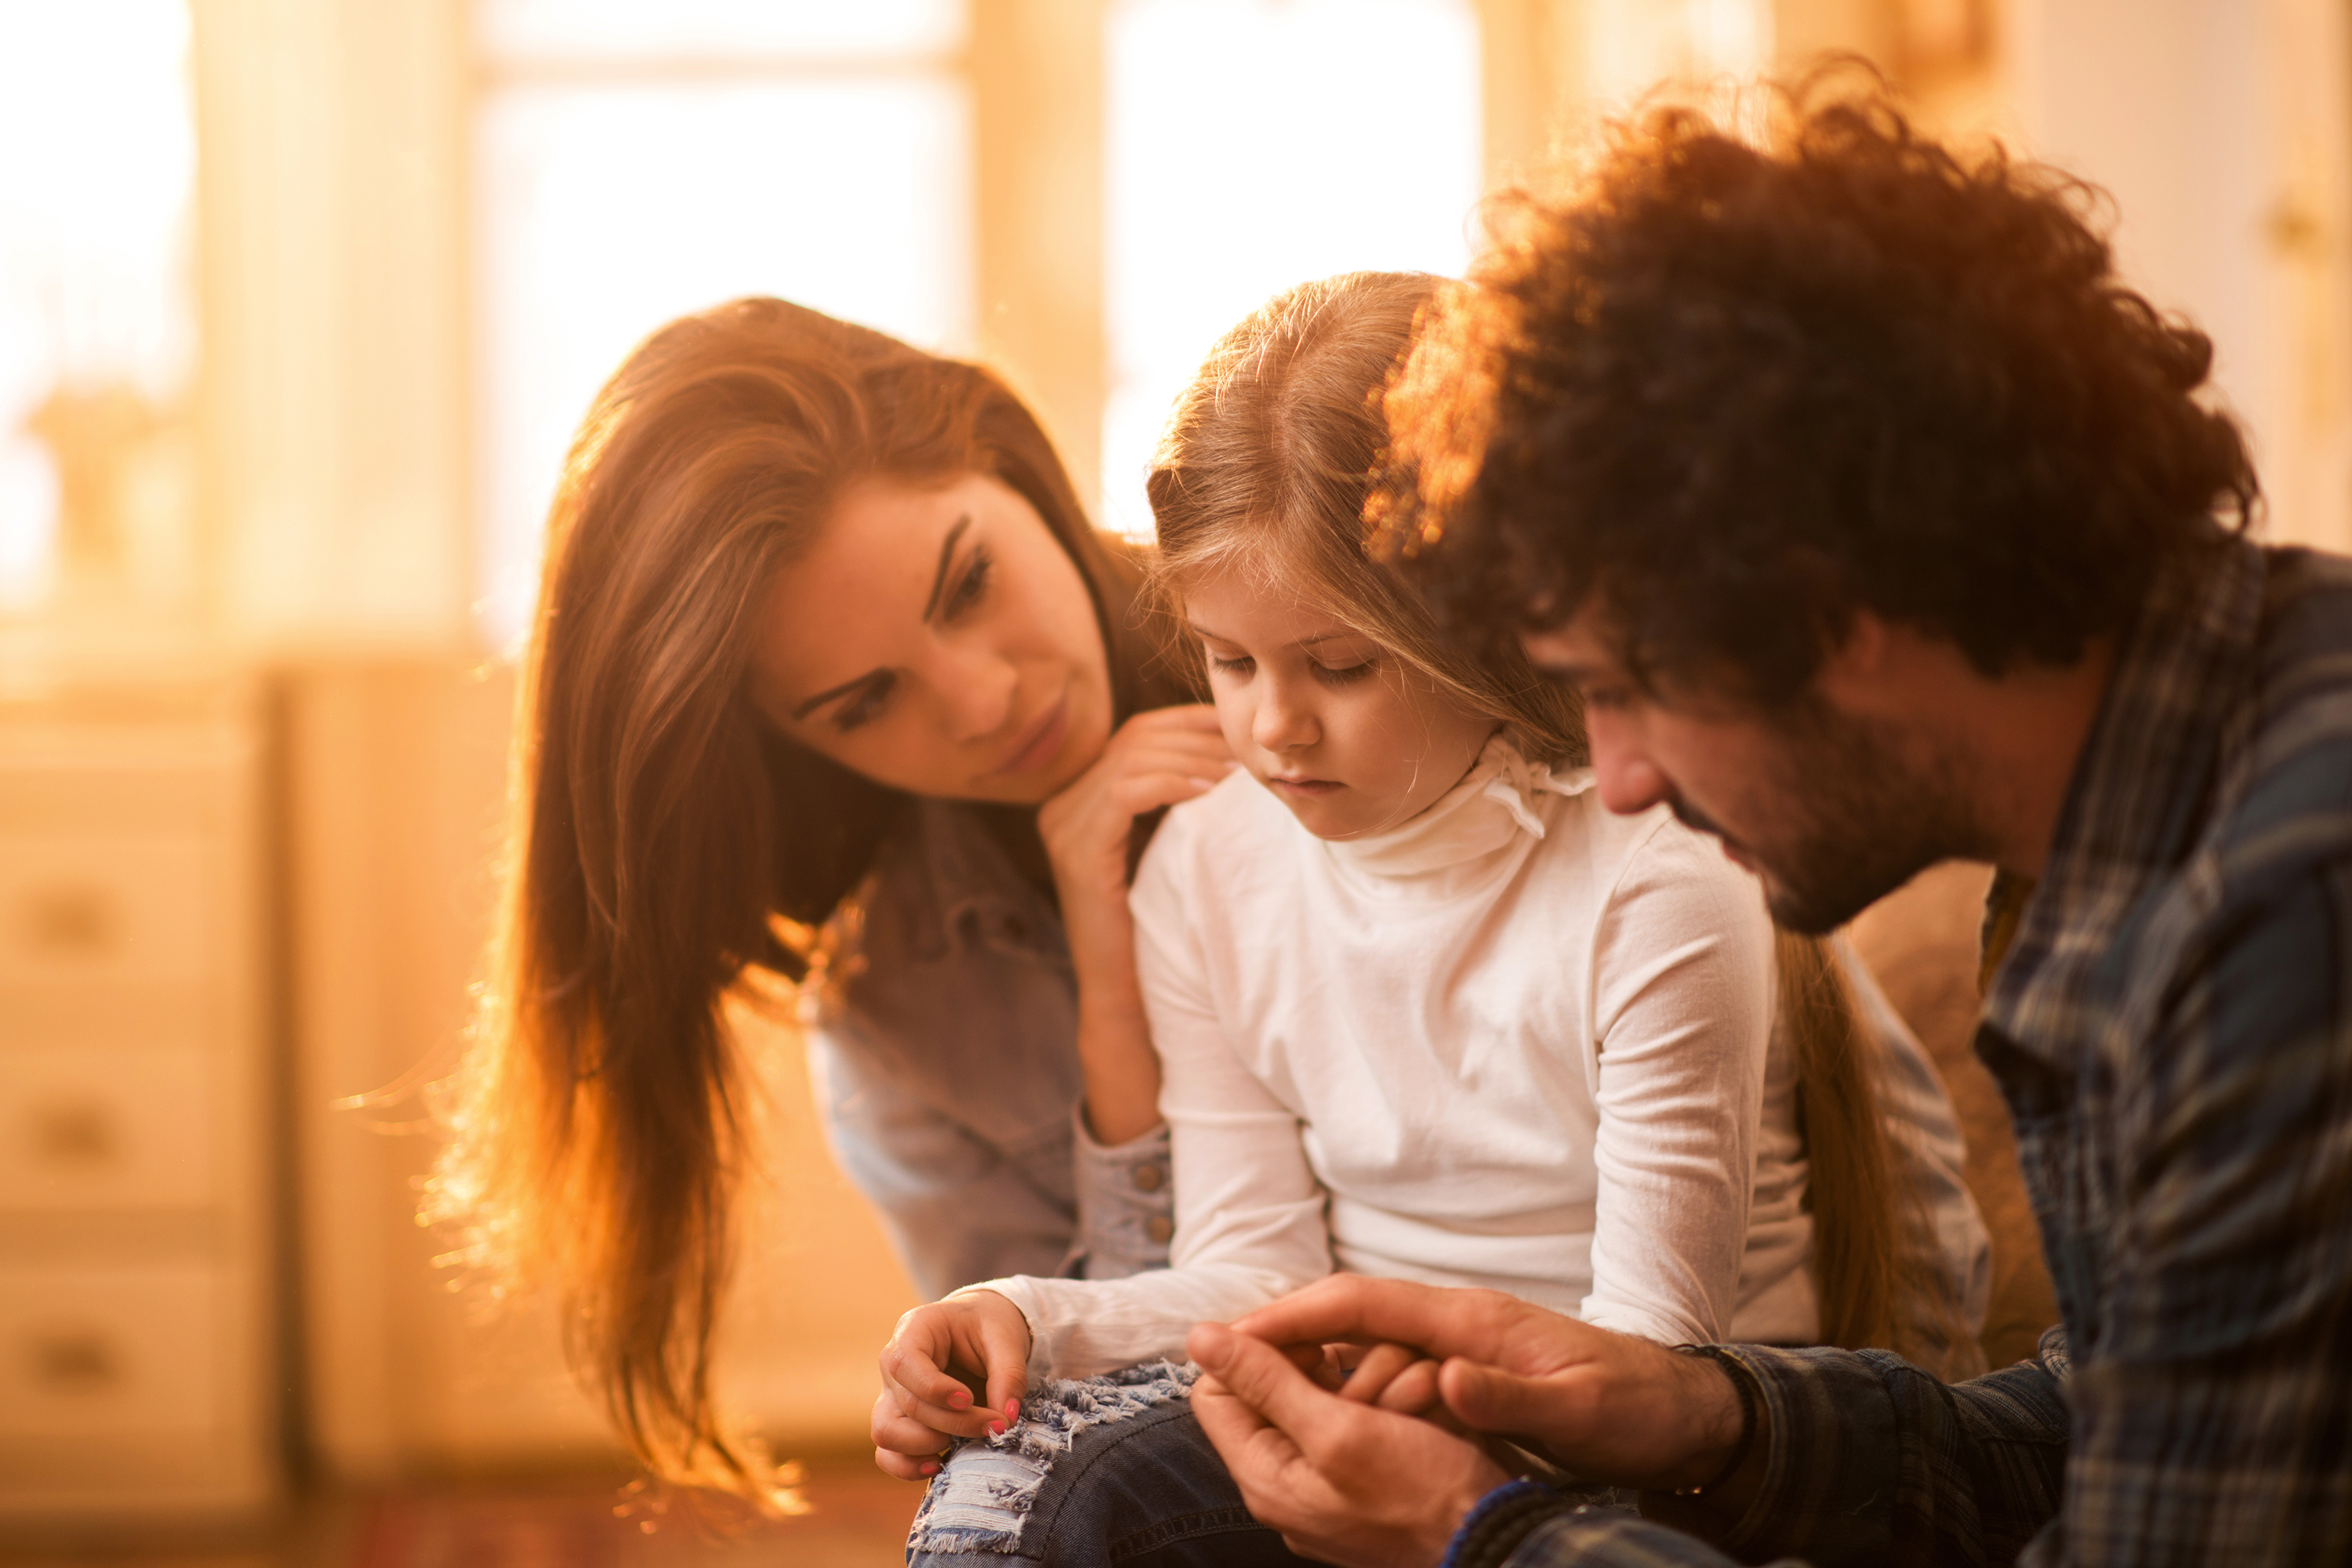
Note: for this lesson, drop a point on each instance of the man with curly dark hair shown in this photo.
(1878, 524)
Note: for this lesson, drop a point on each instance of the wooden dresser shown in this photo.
(137, 1374)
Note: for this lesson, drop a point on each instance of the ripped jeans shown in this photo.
(1102, 1470)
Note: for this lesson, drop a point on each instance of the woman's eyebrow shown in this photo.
(947, 553)
(844, 690)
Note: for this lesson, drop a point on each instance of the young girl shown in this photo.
(1423, 1006)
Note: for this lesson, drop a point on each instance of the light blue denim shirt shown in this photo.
(946, 1072)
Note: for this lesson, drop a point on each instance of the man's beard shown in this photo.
(1853, 819)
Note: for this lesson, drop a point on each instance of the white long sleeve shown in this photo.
(1520, 1044)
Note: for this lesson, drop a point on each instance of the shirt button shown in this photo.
(1150, 1178)
(1160, 1227)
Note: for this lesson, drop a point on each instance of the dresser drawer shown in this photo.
(106, 910)
(115, 1350)
(107, 1128)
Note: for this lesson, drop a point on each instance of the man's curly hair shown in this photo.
(1728, 389)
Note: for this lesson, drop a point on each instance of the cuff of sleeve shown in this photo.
(1829, 1406)
(1126, 1203)
(1505, 1517)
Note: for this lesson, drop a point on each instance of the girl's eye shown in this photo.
(867, 705)
(1241, 665)
(1344, 675)
(971, 587)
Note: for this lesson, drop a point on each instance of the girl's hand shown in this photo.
(1156, 759)
(938, 1350)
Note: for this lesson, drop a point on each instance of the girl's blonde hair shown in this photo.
(1266, 468)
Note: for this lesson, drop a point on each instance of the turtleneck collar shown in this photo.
(1498, 801)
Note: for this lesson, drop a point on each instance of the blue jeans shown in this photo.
(1143, 1492)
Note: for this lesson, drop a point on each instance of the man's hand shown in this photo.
(1604, 1405)
(929, 1369)
(1342, 1479)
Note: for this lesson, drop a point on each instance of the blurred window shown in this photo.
(98, 333)
(637, 161)
(1254, 144)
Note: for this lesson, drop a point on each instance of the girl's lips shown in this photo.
(1303, 786)
(1040, 743)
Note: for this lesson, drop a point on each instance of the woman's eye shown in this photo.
(866, 706)
(970, 588)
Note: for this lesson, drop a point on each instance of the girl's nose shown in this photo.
(1280, 725)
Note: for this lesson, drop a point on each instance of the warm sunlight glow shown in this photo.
(97, 319)
(720, 150)
(1253, 144)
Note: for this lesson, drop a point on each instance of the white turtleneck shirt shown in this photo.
(1518, 1042)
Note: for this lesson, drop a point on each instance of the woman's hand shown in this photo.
(936, 1352)
(1156, 759)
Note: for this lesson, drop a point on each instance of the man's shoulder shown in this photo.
(2286, 803)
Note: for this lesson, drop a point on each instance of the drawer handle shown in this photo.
(75, 921)
(74, 1135)
(80, 1362)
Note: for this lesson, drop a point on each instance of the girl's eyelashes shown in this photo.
(1345, 674)
(1241, 665)
(867, 705)
(971, 586)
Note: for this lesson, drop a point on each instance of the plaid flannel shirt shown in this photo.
(2171, 1025)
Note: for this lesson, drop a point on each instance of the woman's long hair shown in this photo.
(601, 1122)
(1266, 467)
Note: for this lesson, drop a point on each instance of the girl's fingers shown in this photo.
(1373, 1374)
(905, 1467)
(1005, 1341)
(913, 1366)
(900, 1436)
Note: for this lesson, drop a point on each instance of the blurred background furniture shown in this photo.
(139, 1365)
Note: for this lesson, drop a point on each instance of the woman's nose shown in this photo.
(1280, 724)
(978, 686)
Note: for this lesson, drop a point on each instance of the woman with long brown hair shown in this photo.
(829, 676)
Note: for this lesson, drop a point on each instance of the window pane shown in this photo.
(96, 308)
(607, 211)
(611, 29)
(1253, 144)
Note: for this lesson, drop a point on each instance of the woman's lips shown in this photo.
(1040, 743)
(1305, 788)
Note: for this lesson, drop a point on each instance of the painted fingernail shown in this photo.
(996, 1428)
(958, 1399)
(932, 1469)
(1013, 1410)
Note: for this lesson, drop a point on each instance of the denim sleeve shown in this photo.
(960, 1208)
(1126, 1203)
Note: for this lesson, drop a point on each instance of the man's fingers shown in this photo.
(1414, 1390)
(1262, 1378)
(1494, 1400)
(1372, 1374)
(1354, 1306)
